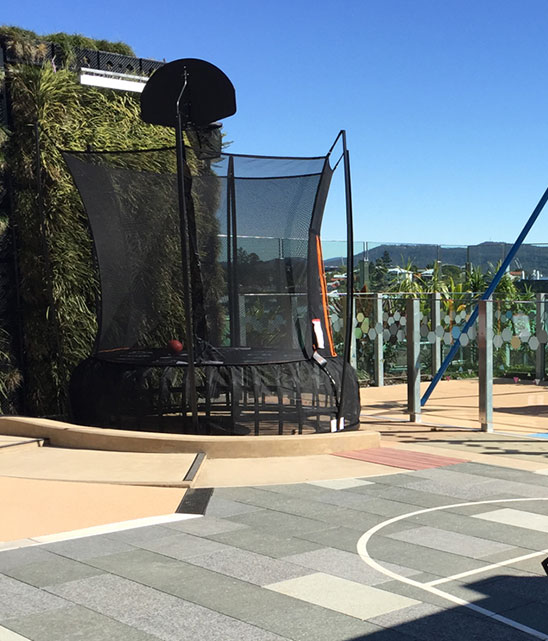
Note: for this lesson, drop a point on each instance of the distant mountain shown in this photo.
(529, 257)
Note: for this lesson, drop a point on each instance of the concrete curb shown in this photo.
(95, 438)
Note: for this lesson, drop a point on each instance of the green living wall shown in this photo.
(51, 329)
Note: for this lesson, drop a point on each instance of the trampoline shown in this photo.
(213, 313)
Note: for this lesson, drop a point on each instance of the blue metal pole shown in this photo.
(487, 294)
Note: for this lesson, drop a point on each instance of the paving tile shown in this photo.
(181, 546)
(346, 566)
(341, 484)
(348, 597)
(262, 542)
(423, 498)
(205, 526)
(402, 479)
(427, 622)
(223, 507)
(249, 566)
(75, 623)
(454, 490)
(9, 635)
(517, 518)
(414, 592)
(532, 615)
(238, 599)
(340, 538)
(279, 523)
(483, 528)
(401, 458)
(162, 615)
(532, 566)
(502, 473)
(421, 558)
(492, 594)
(137, 535)
(453, 542)
(58, 570)
(23, 556)
(19, 599)
(327, 511)
(88, 547)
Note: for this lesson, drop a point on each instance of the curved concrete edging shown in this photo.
(95, 438)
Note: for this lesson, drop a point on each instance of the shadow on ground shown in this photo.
(523, 600)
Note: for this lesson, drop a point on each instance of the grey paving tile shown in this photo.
(305, 505)
(423, 498)
(494, 593)
(532, 615)
(420, 558)
(477, 508)
(345, 565)
(532, 566)
(262, 542)
(23, 556)
(386, 507)
(181, 546)
(340, 538)
(222, 508)
(403, 479)
(413, 592)
(279, 523)
(19, 599)
(298, 506)
(455, 491)
(428, 622)
(88, 547)
(277, 613)
(503, 473)
(249, 566)
(500, 532)
(148, 568)
(162, 615)
(58, 570)
(137, 535)
(74, 623)
(354, 599)
(205, 526)
(453, 542)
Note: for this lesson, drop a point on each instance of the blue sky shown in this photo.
(445, 101)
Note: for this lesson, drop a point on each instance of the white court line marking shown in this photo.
(362, 551)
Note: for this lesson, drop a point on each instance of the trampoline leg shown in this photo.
(255, 383)
(280, 394)
(299, 400)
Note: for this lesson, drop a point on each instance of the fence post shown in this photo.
(413, 360)
(540, 360)
(378, 348)
(435, 322)
(485, 365)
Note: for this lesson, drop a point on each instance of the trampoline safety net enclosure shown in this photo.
(262, 353)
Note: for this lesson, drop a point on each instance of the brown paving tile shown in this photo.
(400, 458)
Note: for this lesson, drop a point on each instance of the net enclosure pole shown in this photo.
(486, 295)
(185, 262)
(349, 276)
